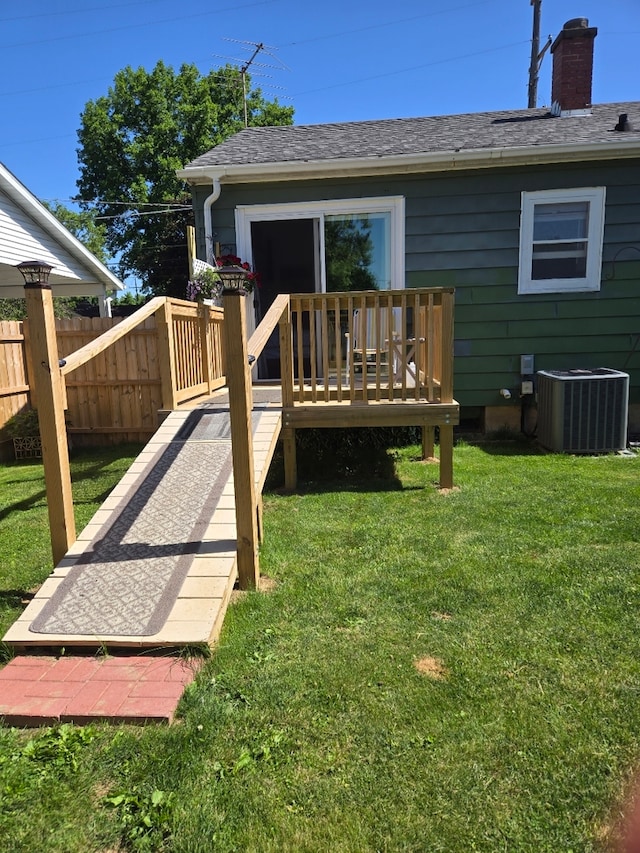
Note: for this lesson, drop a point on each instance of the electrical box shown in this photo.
(526, 365)
(526, 387)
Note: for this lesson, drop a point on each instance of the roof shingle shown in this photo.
(427, 135)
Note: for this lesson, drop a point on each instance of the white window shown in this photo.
(561, 240)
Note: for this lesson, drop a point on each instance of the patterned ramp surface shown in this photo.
(127, 583)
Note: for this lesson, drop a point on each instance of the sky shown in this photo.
(333, 61)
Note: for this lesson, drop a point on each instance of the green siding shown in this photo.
(462, 231)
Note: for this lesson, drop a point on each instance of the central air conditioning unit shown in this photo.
(583, 411)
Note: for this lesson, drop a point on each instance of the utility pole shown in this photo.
(535, 49)
(536, 55)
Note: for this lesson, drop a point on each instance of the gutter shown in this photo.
(406, 164)
(208, 222)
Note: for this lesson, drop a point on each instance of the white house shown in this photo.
(28, 231)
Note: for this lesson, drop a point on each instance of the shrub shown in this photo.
(23, 424)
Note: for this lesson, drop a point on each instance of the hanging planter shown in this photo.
(251, 280)
(205, 286)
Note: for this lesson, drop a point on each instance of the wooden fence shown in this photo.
(14, 382)
(116, 396)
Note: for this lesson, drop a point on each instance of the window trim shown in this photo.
(394, 205)
(595, 196)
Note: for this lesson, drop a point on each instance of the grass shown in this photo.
(25, 546)
(430, 672)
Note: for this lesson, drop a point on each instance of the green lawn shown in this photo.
(25, 545)
(430, 672)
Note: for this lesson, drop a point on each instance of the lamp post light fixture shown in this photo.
(35, 273)
(233, 279)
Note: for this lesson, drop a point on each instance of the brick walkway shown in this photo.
(44, 690)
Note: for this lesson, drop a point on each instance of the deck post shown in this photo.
(49, 385)
(290, 460)
(240, 406)
(446, 390)
(446, 456)
(428, 442)
(446, 379)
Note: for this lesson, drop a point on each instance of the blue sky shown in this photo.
(335, 60)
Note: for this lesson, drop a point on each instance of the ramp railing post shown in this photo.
(49, 384)
(240, 405)
(205, 345)
(286, 372)
(164, 325)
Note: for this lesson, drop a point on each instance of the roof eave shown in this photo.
(288, 170)
(17, 191)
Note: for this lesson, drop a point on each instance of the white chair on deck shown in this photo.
(370, 346)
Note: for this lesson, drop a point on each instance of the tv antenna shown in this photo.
(257, 48)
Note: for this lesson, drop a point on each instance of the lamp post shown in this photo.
(47, 385)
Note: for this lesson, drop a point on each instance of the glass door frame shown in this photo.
(316, 210)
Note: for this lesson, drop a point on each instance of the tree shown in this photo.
(348, 253)
(134, 139)
(82, 224)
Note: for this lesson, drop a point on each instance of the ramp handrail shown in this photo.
(260, 337)
(100, 344)
(190, 347)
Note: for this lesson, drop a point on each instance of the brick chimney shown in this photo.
(573, 68)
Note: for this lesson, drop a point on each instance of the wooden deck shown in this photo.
(405, 378)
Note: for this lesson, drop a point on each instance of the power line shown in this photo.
(138, 214)
(145, 24)
(48, 88)
(383, 24)
(346, 82)
(177, 204)
(160, 208)
(412, 68)
(58, 13)
(266, 48)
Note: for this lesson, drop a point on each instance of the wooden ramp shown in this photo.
(156, 565)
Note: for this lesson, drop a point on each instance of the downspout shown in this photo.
(104, 303)
(208, 224)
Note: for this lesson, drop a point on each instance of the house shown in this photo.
(533, 216)
(28, 231)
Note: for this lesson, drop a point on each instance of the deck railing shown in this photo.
(190, 347)
(346, 359)
(379, 346)
(193, 351)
